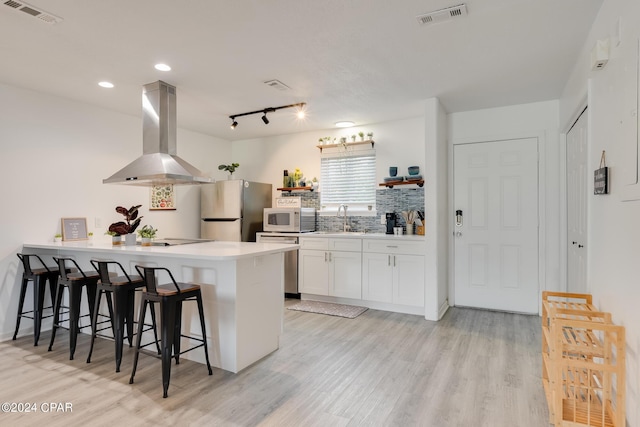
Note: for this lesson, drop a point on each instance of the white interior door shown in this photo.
(577, 180)
(496, 240)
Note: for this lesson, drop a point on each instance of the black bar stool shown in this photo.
(170, 297)
(39, 277)
(123, 288)
(74, 283)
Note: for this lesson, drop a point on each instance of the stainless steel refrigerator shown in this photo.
(232, 210)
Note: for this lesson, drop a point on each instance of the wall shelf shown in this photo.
(390, 184)
(346, 144)
(290, 189)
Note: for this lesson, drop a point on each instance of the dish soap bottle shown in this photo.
(285, 179)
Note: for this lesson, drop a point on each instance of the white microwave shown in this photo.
(289, 220)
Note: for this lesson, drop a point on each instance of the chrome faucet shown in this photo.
(345, 226)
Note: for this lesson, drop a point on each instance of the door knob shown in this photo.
(573, 243)
(580, 246)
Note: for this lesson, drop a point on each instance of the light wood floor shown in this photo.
(473, 368)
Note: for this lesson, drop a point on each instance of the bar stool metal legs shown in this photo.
(39, 277)
(123, 287)
(74, 282)
(170, 298)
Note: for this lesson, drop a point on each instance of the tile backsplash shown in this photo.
(387, 200)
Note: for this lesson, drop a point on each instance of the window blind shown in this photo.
(348, 178)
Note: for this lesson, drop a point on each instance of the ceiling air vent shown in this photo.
(277, 84)
(33, 11)
(442, 15)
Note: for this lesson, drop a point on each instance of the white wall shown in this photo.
(614, 225)
(540, 120)
(397, 143)
(436, 209)
(55, 153)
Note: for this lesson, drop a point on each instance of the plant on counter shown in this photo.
(57, 237)
(353, 138)
(361, 135)
(129, 225)
(229, 168)
(370, 135)
(147, 232)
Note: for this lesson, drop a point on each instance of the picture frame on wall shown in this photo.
(74, 229)
(162, 198)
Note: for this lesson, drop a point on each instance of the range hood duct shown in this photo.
(159, 163)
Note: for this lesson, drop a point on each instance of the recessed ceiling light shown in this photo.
(162, 67)
(108, 85)
(344, 124)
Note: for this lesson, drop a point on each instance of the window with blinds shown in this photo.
(348, 178)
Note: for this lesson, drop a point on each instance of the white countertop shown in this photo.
(348, 235)
(216, 251)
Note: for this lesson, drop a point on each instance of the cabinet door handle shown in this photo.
(389, 246)
(394, 260)
(325, 257)
(329, 256)
(389, 260)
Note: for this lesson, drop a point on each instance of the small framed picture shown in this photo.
(162, 198)
(74, 229)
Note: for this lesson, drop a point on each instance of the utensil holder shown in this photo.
(409, 229)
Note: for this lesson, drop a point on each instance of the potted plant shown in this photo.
(229, 168)
(147, 233)
(361, 135)
(116, 240)
(57, 237)
(128, 226)
(370, 136)
(353, 138)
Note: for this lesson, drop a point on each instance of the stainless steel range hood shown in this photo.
(159, 163)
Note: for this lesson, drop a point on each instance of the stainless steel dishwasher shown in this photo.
(290, 262)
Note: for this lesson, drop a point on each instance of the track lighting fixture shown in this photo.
(300, 113)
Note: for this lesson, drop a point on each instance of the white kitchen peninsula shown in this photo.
(243, 290)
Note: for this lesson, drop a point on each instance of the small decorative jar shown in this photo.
(116, 240)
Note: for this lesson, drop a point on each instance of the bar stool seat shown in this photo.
(121, 307)
(39, 277)
(170, 298)
(74, 282)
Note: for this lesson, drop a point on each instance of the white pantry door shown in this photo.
(496, 241)
(577, 180)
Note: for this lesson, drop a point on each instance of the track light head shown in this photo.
(264, 119)
(234, 124)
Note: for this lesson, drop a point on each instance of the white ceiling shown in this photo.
(362, 60)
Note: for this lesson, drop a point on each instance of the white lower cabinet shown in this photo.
(393, 273)
(330, 267)
(313, 272)
(387, 273)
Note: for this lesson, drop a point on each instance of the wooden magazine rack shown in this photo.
(583, 362)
